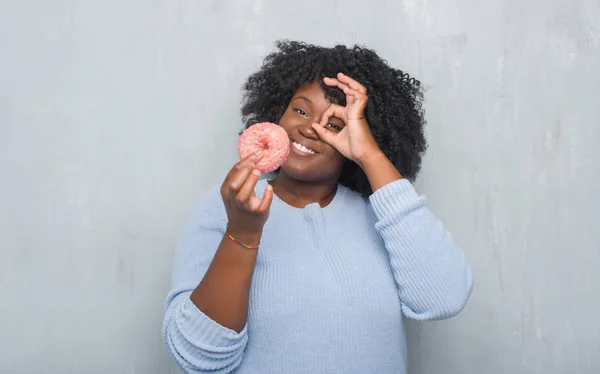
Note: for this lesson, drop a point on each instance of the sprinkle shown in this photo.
(272, 139)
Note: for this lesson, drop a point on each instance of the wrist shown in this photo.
(245, 235)
(379, 170)
(371, 159)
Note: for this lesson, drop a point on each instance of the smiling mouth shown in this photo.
(302, 148)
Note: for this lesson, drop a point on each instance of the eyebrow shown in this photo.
(304, 98)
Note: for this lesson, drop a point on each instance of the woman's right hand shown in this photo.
(246, 212)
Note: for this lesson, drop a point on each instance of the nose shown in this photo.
(308, 132)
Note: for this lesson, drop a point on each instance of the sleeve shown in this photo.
(197, 343)
(433, 277)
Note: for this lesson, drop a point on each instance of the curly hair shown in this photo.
(394, 111)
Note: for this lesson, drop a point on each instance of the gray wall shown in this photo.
(117, 115)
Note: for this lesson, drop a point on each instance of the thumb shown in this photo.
(325, 135)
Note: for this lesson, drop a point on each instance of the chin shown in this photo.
(308, 175)
(299, 175)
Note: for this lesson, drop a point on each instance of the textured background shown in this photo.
(116, 116)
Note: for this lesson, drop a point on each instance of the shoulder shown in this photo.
(353, 202)
(355, 198)
(397, 196)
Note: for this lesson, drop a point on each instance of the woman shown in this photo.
(347, 247)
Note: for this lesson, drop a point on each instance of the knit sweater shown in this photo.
(330, 286)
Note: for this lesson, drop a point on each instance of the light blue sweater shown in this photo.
(330, 286)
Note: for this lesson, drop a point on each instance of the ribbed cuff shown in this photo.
(393, 198)
(206, 332)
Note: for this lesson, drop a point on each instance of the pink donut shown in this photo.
(272, 139)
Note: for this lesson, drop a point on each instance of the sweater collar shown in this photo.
(338, 200)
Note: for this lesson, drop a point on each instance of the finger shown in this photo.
(333, 82)
(352, 83)
(257, 205)
(251, 160)
(236, 179)
(327, 136)
(245, 166)
(265, 204)
(252, 157)
(357, 95)
(334, 110)
(245, 193)
(349, 91)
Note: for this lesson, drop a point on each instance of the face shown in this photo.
(310, 158)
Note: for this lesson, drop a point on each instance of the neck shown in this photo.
(299, 194)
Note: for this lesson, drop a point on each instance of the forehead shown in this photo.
(314, 92)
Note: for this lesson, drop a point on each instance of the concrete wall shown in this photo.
(117, 115)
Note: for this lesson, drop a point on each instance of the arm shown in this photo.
(205, 321)
(223, 292)
(433, 277)
(196, 342)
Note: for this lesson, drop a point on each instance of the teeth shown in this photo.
(302, 148)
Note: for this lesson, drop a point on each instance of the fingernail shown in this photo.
(256, 172)
(270, 188)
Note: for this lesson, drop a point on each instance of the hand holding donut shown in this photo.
(263, 148)
(246, 212)
(355, 141)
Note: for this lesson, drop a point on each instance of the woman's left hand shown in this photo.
(355, 141)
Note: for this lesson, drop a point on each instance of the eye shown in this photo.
(334, 127)
(301, 112)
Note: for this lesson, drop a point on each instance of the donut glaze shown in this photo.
(269, 137)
